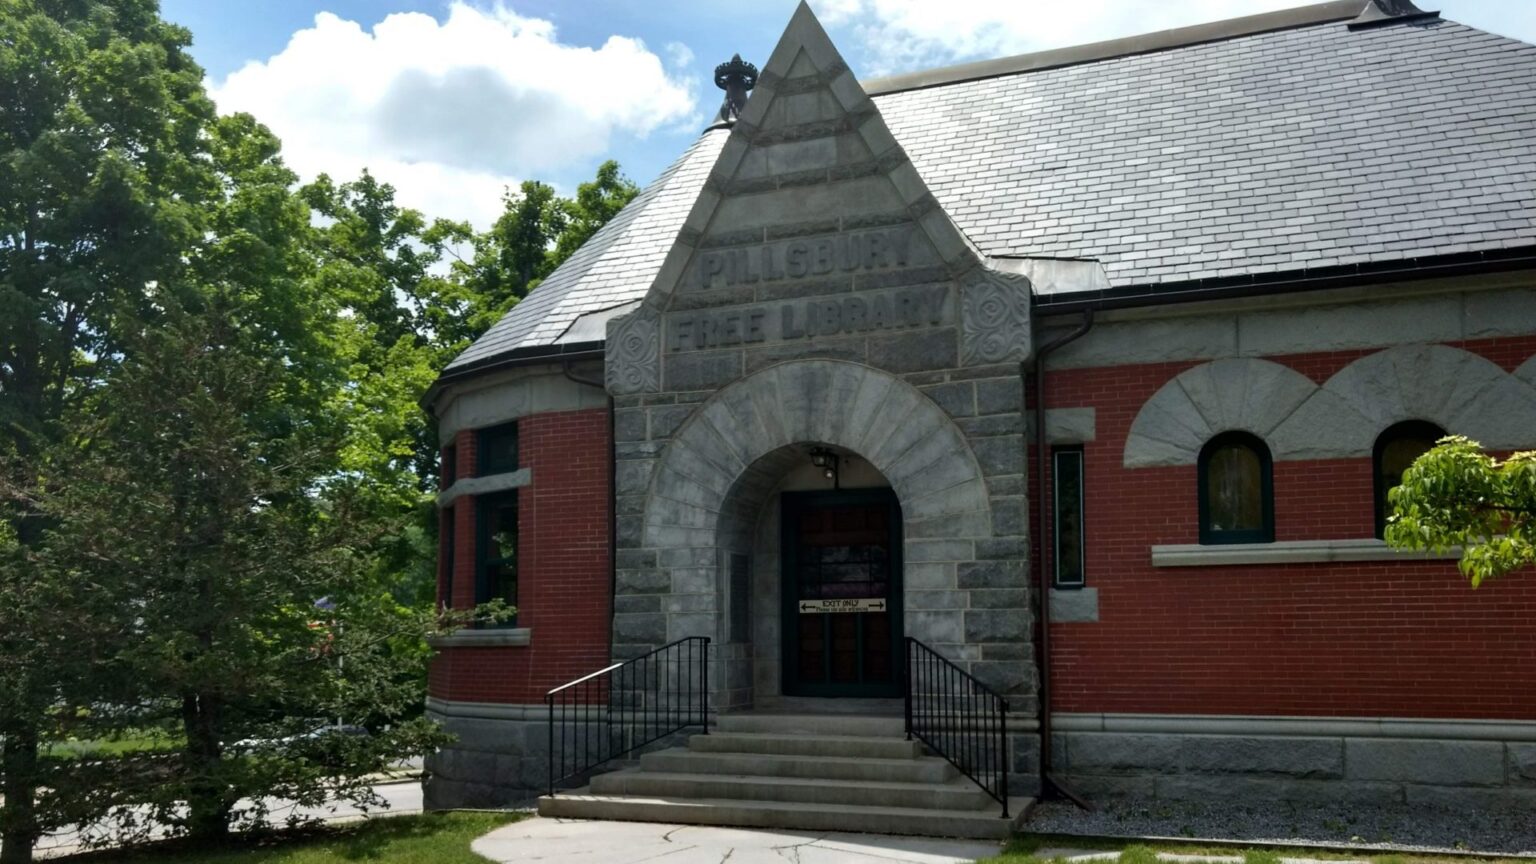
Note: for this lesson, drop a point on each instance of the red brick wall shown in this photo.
(1367, 639)
(564, 589)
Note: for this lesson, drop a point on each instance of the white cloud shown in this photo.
(903, 35)
(679, 54)
(451, 112)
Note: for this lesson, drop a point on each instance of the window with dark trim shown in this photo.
(1067, 483)
(1395, 450)
(1237, 499)
(450, 470)
(496, 450)
(445, 558)
(496, 548)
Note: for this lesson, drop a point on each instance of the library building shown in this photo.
(919, 447)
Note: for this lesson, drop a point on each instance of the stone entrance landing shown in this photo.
(807, 772)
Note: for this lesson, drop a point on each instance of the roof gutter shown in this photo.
(1344, 276)
(1125, 297)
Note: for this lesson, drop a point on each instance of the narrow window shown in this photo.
(741, 597)
(497, 449)
(1067, 477)
(496, 548)
(1395, 451)
(1236, 490)
(450, 469)
(445, 540)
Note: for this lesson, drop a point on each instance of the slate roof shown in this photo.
(1281, 151)
(613, 268)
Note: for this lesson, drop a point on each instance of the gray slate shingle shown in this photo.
(1297, 149)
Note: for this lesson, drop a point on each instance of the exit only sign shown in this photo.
(848, 604)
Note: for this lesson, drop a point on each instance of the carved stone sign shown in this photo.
(893, 309)
(805, 258)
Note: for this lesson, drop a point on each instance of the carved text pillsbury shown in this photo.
(805, 258)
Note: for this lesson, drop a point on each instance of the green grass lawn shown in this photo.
(101, 748)
(1025, 850)
(431, 838)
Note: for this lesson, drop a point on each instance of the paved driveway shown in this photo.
(576, 841)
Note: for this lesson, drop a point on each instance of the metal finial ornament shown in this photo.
(735, 78)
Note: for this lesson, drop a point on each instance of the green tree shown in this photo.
(103, 180)
(128, 212)
(204, 509)
(1456, 495)
(596, 202)
(507, 261)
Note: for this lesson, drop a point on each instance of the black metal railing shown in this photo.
(959, 718)
(615, 711)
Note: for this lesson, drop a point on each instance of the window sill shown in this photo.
(1074, 605)
(482, 485)
(467, 638)
(1288, 552)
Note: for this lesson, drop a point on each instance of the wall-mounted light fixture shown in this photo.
(827, 461)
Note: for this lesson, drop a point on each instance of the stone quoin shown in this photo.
(1082, 373)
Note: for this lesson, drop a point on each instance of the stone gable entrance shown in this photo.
(819, 296)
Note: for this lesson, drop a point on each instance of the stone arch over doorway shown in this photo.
(868, 412)
(965, 587)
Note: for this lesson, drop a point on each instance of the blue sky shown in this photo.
(454, 100)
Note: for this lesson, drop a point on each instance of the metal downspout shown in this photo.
(1043, 508)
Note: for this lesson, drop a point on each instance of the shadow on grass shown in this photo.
(406, 839)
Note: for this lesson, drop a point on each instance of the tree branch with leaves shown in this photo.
(1457, 496)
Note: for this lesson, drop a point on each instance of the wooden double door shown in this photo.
(842, 593)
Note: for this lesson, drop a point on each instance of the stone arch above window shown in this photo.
(1461, 392)
(1239, 394)
(1527, 372)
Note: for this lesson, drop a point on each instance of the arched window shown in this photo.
(1395, 450)
(1237, 502)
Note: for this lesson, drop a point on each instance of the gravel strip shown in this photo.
(1358, 826)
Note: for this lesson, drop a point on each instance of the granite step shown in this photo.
(680, 760)
(813, 724)
(853, 746)
(788, 815)
(955, 794)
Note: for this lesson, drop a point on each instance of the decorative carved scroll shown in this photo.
(634, 355)
(994, 321)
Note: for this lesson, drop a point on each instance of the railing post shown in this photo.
(906, 690)
(549, 702)
(704, 689)
(1002, 712)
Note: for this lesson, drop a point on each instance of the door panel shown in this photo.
(842, 551)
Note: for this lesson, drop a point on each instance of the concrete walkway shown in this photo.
(576, 841)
